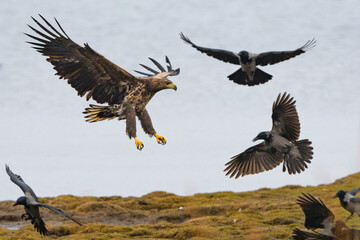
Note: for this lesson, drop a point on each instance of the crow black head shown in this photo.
(340, 194)
(20, 201)
(263, 135)
(244, 56)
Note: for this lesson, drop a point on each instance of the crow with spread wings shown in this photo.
(281, 144)
(31, 204)
(249, 74)
(93, 75)
(317, 215)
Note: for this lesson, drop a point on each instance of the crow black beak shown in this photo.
(335, 196)
(15, 204)
(255, 139)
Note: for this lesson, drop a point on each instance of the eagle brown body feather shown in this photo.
(91, 74)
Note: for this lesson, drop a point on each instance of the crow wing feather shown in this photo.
(20, 182)
(301, 235)
(285, 118)
(273, 57)
(355, 200)
(39, 225)
(256, 159)
(354, 191)
(219, 54)
(316, 212)
(34, 214)
(57, 211)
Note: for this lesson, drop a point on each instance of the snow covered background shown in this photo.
(45, 139)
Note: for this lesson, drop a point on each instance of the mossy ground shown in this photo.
(261, 214)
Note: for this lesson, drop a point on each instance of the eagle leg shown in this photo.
(131, 125)
(146, 124)
(160, 139)
(139, 144)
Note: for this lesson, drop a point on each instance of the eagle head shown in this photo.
(158, 80)
(161, 82)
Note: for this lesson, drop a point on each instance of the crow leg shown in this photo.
(25, 216)
(349, 217)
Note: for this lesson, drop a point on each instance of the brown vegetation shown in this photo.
(261, 214)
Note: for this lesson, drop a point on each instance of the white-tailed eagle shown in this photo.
(93, 75)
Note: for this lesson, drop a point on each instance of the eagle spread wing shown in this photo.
(316, 212)
(222, 55)
(285, 118)
(20, 182)
(85, 70)
(256, 159)
(273, 57)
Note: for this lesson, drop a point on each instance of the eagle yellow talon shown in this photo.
(160, 139)
(139, 145)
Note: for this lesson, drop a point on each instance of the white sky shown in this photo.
(46, 140)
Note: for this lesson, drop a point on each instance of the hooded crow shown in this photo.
(249, 74)
(349, 201)
(31, 204)
(317, 215)
(280, 144)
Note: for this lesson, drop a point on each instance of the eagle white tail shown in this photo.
(97, 113)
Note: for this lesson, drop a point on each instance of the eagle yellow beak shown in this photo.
(172, 86)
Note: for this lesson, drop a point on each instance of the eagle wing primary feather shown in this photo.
(219, 54)
(285, 118)
(259, 158)
(85, 70)
(273, 57)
